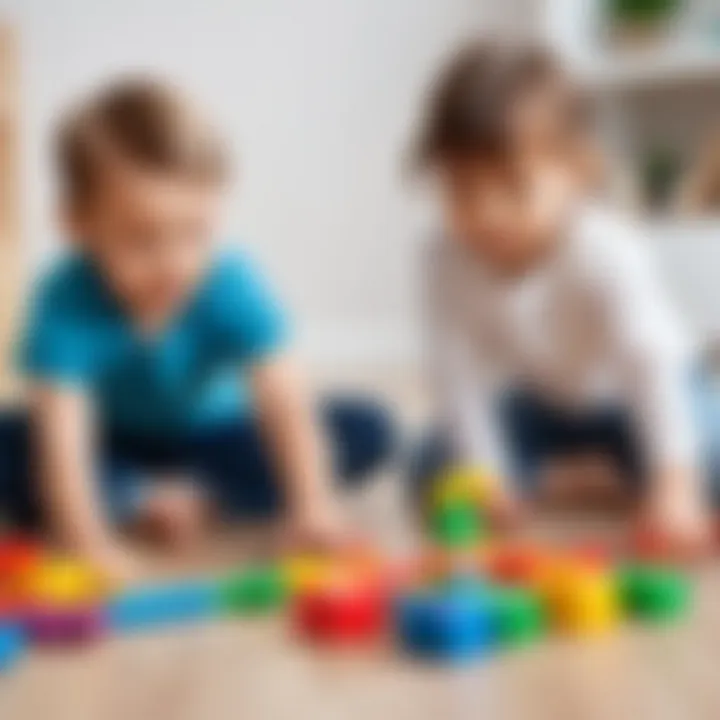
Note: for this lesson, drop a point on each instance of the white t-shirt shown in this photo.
(590, 325)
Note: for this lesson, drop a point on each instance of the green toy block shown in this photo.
(456, 525)
(519, 615)
(256, 589)
(653, 592)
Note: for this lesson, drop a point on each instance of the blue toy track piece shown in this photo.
(12, 644)
(164, 605)
(444, 626)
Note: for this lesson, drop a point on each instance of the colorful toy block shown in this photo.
(364, 563)
(65, 625)
(164, 605)
(456, 524)
(654, 593)
(519, 615)
(306, 572)
(256, 589)
(60, 581)
(12, 643)
(582, 601)
(461, 485)
(517, 564)
(18, 557)
(444, 626)
(347, 611)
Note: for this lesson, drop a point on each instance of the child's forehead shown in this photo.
(474, 171)
(131, 184)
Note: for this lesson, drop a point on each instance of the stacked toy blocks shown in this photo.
(65, 602)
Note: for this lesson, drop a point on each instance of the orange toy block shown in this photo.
(581, 600)
(18, 557)
(364, 563)
(518, 564)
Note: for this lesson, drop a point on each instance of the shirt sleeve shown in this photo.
(653, 351)
(53, 345)
(461, 378)
(249, 319)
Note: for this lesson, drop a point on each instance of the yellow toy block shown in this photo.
(460, 484)
(581, 601)
(62, 581)
(307, 572)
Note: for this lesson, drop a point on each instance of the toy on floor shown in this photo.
(455, 506)
(519, 615)
(653, 592)
(454, 625)
(581, 600)
(18, 558)
(256, 589)
(463, 597)
(346, 610)
(160, 606)
(12, 643)
(66, 602)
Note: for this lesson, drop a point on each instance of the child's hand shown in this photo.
(675, 519)
(118, 565)
(320, 526)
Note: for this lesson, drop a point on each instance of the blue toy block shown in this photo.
(439, 625)
(164, 605)
(12, 644)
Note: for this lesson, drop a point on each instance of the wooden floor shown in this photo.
(255, 670)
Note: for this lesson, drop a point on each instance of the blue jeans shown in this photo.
(537, 430)
(229, 461)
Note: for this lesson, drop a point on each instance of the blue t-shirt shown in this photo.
(189, 375)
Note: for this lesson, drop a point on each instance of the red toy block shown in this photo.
(18, 556)
(342, 612)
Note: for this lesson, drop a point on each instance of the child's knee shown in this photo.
(365, 433)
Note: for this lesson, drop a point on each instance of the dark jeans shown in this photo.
(229, 461)
(537, 430)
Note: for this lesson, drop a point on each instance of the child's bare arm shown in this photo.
(285, 414)
(64, 436)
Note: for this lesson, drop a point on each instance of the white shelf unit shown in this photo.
(648, 70)
(670, 93)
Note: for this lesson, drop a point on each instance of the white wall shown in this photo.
(318, 97)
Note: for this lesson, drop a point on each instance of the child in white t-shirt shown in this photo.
(548, 331)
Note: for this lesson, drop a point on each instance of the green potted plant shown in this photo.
(641, 21)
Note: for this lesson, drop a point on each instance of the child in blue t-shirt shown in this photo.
(155, 363)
